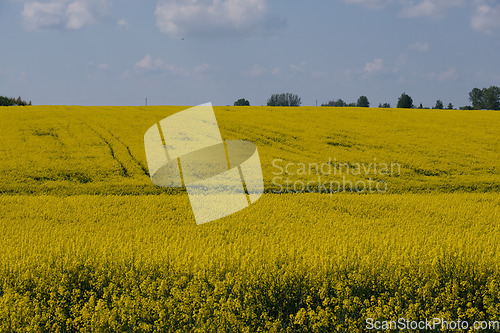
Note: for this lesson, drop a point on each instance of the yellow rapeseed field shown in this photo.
(89, 244)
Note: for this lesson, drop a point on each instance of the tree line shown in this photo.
(10, 101)
(486, 98)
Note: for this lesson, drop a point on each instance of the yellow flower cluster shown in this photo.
(88, 244)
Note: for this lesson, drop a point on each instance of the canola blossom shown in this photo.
(89, 244)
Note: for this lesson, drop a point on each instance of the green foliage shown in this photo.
(5, 101)
(405, 101)
(285, 99)
(363, 102)
(450, 106)
(242, 102)
(10, 101)
(338, 103)
(384, 105)
(439, 105)
(486, 98)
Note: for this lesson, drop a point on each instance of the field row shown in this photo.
(311, 263)
(311, 228)
(99, 150)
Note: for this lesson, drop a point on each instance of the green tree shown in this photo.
(10, 101)
(242, 102)
(405, 101)
(5, 101)
(363, 102)
(486, 98)
(338, 102)
(491, 98)
(384, 105)
(476, 98)
(439, 104)
(450, 106)
(286, 99)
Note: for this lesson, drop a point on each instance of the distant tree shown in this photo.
(338, 102)
(363, 102)
(4, 101)
(450, 106)
(420, 106)
(486, 98)
(467, 107)
(384, 105)
(242, 102)
(476, 98)
(286, 99)
(10, 101)
(439, 104)
(405, 101)
(351, 105)
(491, 98)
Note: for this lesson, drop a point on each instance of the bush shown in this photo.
(242, 102)
(338, 103)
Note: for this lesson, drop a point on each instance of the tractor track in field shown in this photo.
(124, 170)
(142, 167)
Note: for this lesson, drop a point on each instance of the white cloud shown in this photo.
(419, 46)
(38, 15)
(447, 75)
(201, 68)
(486, 19)
(256, 71)
(302, 67)
(423, 8)
(122, 23)
(202, 18)
(70, 14)
(103, 67)
(374, 66)
(125, 75)
(414, 8)
(401, 60)
(150, 64)
(429, 8)
(371, 3)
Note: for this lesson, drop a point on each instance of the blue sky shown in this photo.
(118, 52)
